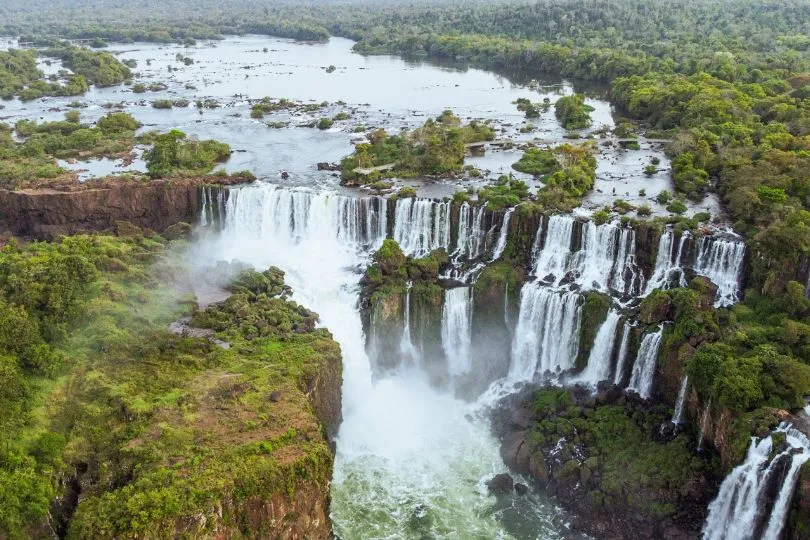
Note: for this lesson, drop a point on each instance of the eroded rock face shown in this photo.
(565, 441)
(45, 214)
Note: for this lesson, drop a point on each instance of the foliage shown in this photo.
(537, 162)
(173, 153)
(505, 192)
(97, 67)
(572, 112)
(436, 148)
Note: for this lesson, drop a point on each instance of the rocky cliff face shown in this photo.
(45, 214)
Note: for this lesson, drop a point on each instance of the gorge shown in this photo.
(449, 355)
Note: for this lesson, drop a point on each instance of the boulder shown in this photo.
(501, 484)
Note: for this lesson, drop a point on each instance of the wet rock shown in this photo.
(326, 166)
(521, 489)
(501, 484)
(177, 231)
(285, 175)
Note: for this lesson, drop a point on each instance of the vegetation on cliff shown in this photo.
(160, 433)
(173, 153)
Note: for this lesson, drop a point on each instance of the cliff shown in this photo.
(47, 213)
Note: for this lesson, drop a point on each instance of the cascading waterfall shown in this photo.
(644, 369)
(406, 451)
(721, 261)
(406, 346)
(547, 333)
(553, 258)
(667, 263)
(599, 360)
(421, 225)
(627, 277)
(624, 351)
(597, 257)
(740, 510)
(471, 237)
(502, 237)
(212, 205)
(457, 330)
(680, 403)
(298, 215)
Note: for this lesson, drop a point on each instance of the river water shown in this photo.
(412, 460)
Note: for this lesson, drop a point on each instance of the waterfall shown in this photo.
(627, 278)
(599, 364)
(553, 257)
(680, 403)
(623, 352)
(796, 439)
(421, 225)
(667, 263)
(596, 259)
(471, 237)
(721, 261)
(547, 334)
(704, 421)
(406, 347)
(644, 369)
(457, 329)
(740, 510)
(212, 205)
(269, 211)
(501, 245)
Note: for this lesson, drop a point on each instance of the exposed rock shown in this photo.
(521, 489)
(275, 397)
(325, 166)
(47, 213)
(501, 484)
(177, 231)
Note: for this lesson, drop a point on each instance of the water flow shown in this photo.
(704, 423)
(741, 508)
(501, 245)
(627, 278)
(406, 347)
(624, 351)
(680, 403)
(667, 263)
(721, 261)
(547, 333)
(212, 205)
(595, 261)
(411, 460)
(599, 360)
(421, 225)
(457, 330)
(644, 369)
(553, 258)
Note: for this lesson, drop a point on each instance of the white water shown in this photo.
(457, 330)
(406, 346)
(212, 205)
(502, 237)
(595, 261)
(644, 369)
(411, 460)
(553, 257)
(738, 512)
(624, 351)
(721, 261)
(627, 278)
(421, 225)
(667, 263)
(599, 360)
(680, 403)
(547, 333)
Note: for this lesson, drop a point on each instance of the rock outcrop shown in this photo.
(47, 213)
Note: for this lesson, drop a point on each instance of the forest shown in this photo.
(727, 83)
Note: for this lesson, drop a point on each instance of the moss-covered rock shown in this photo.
(594, 312)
